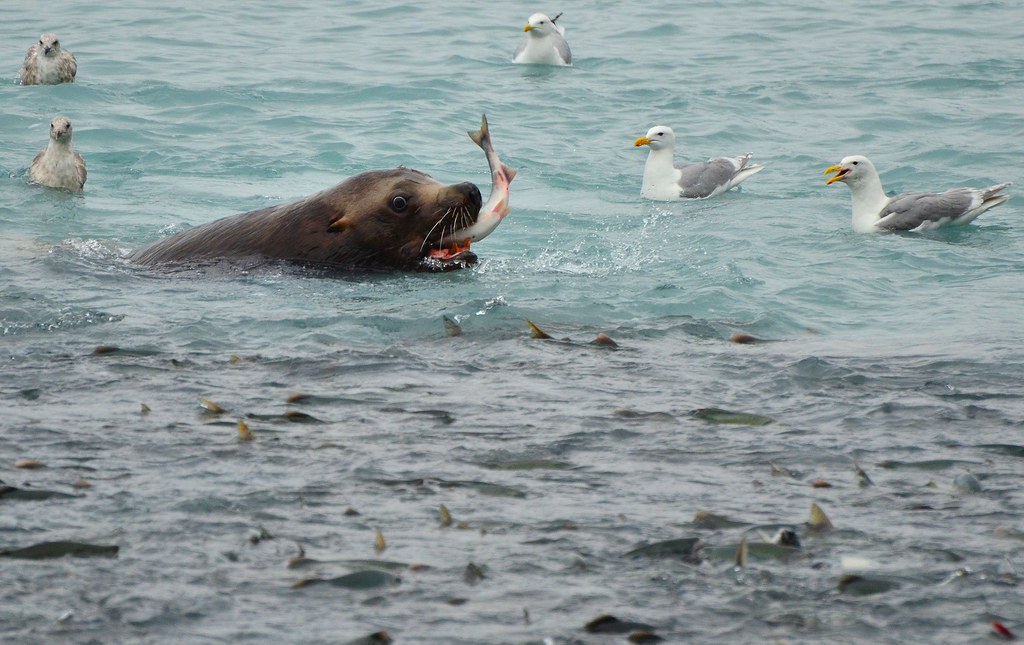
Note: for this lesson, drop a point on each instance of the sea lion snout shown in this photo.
(472, 193)
(468, 195)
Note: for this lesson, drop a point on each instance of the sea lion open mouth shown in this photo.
(455, 247)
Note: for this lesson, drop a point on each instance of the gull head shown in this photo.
(539, 25)
(49, 44)
(60, 130)
(851, 170)
(657, 138)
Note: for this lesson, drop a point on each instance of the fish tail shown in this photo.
(481, 135)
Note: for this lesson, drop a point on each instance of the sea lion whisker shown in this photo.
(426, 238)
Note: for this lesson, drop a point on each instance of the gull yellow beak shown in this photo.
(528, 28)
(840, 173)
(642, 141)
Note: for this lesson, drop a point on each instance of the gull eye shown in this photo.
(399, 203)
(856, 162)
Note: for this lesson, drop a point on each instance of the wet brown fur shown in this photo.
(352, 225)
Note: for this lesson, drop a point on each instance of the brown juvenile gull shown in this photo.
(544, 43)
(47, 64)
(873, 210)
(665, 182)
(58, 165)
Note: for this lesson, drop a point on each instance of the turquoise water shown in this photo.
(900, 353)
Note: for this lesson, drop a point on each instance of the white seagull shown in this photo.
(666, 182)
(544, 42)
(874, 211)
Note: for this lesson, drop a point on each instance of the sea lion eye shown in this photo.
(399, 203)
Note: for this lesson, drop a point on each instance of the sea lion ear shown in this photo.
(338, 224)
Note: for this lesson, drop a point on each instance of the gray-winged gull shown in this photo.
(544, 42)
(874, 211)
(665, 182)
(46, 63)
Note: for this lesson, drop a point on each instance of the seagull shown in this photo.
(544, 42)
(58, 165)
(874, 211)
(47, 64)
(665, 182)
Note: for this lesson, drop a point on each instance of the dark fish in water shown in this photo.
(451, 328)
(376, 638)
(537, 331)
(446, 516)
(601, 340)
(630, 413)
(643, 637)
(862, 477)
(46, 550)
(687, 549)
(857, 585)
(717, 415)
(473, 574)
(359, 580)
(210, 406)
(606, 624)
(28, 495)
(818, 520)
(528, 464)
(707, 520)
(743, 339)
(244, 433)
(742, 554)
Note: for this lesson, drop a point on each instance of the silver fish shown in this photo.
(496, 208)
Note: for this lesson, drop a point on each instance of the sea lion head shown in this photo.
(49, 44)
(397, 217)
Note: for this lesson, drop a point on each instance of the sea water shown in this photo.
(899, 354)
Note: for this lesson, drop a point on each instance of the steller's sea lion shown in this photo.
(379, 219)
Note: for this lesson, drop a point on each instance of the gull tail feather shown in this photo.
(994, 195)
